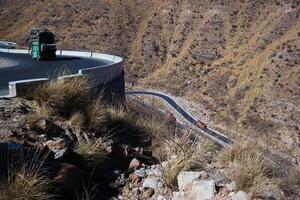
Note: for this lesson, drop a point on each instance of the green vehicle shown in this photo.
(42, 44)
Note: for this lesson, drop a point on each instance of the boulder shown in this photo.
(134, 178)
(180, 196)
(231, 186)
(185, 179)
(134, 164)
(153, 183)
(240, 195)
(58, 146)
(148, 193)
(203, 189)
(67, 175)
(154, 172)
(141, 172)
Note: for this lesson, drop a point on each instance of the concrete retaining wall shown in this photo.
(109, 78)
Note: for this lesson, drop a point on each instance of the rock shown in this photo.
(153, 183)
(160, 197)
(148, 193)
(180, 196)
(203, 189)
(125, 191)
(231, 186)
(220, 180)
(134, 164)
(141, 172)
(240, 195)
(134, 178)
(67, 175)
(40, 125)
(56, 145)
(156, 172)
(60, 153)
(185, 180)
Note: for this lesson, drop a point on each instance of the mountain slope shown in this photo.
(240, 59)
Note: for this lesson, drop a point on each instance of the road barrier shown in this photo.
(100, 74)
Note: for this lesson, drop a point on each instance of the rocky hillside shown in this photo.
(240, 59)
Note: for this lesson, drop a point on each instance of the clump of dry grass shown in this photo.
(183, 153)
(69, 99)
(28, 183)
(250, 169)
(291, 184)
(96, 115)
(94, 152)
(64, 96)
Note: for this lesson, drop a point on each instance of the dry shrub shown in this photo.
(183, 153)
(77, 120)
(93, 152)
(237, 151)
(291, 184)
(250, 169)
(96, 115)
(29, 183)
(39, 112)
(64, 96)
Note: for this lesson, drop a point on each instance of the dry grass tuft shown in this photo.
(94, 152)
(238, 151)
(250, 169)
(77, 120)
(28, 183)
(182, 153)
(291, 184)
(64, 96)
(96, 115)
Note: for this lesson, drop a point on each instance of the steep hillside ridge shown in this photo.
(240, 59)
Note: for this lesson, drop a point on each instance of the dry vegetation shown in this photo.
(29, 182)
(237, 58)
(251, 169)
(183, 153)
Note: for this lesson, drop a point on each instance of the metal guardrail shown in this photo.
(100, 74)
(8, 45)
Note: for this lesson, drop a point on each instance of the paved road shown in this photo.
(218, 137)
(21, 67)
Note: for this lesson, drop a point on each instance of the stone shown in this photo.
(231, 186)
(185, 180)
(156, 172)
(56, 145)
(141, 172)
(153, 183)
(60, 153)
(148, 193)
(240, 195)
(40, 125)
(125, 190)
(67, 175)
(134, 178)
(134, 164)
(203, 189)
(160, 197)
(180, 196)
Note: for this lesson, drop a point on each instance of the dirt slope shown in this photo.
(240, 59)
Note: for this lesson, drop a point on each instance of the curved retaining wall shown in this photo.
(102, 76)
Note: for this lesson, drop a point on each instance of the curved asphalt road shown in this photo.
(222, 139)
(22, 67)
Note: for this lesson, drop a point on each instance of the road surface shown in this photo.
(15, 67)
(213, 134)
